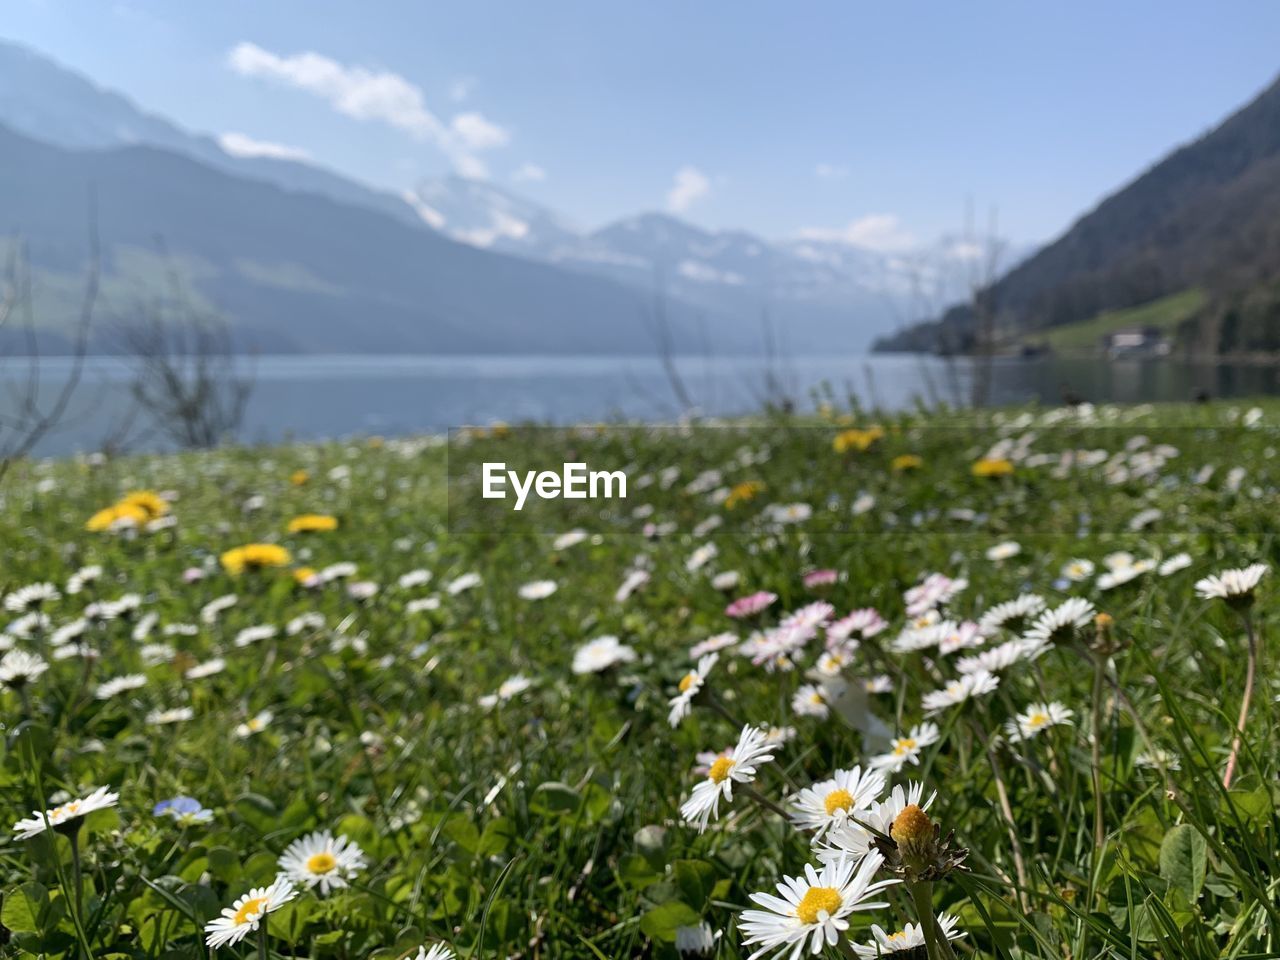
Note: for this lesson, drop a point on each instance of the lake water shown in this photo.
(312, 397)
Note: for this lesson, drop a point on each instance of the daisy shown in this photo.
(1005, 655)
(1234, 586)
(76, 582)
(1179, 561)
(1077, 570)
(703, 804)
(318, 860)
(854, 838)
(414, 579)
(65, 813)
(463, 583)
(570, 539)
(811, 911)
(362, 590)
(1063, 622)
(831, 802)
(909, 938)
(255, 724)
(699, 940)
(172, 715)
(865, 623)
(118, 685)
(630, 584)
(30, 597)
(959, 636)
(257, 634)
(600, 654)
(1012, 614)
(750, 605)
(958, 691)
(720, 641)
(819, 578)
(809, 701)
(438, 951)
(206, 669)
(690, 685)
(511, 687)
(1003, 551)
(933, 591)
(242, 917)
(726, 581)
(1038, 717)
(537, 590)
(701, 557)
(785, 513)
(210, 612)
(904, 750)
(17, 667)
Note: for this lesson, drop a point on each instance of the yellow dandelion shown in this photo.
(299, 478)
(856, 441)
(743, 492)
(313, 523)
(147, 501)
(254, 556)
(118, 513)
(907, 461)
(992, 467)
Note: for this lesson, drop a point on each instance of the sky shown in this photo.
(880, 124)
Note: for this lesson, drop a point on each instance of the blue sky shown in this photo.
(878, 122)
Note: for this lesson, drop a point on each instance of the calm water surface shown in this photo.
(313, 397)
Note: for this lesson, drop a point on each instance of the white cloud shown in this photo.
(475, 132)
(243, 145)
(690, 185)
(529, 173)
(829, 171)
(882, 232)
(375, 95)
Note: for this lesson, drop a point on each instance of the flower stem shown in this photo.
(764, 801)
(1095, 761)
(935, 942)
(262, 938)
(1251, 670)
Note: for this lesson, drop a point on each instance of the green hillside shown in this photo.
(1166, 313)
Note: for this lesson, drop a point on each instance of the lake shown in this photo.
(313, 397)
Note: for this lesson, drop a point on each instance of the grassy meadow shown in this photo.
(972, 680)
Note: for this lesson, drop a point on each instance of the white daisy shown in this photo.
(570, 539)
(242, 917)
(720, 641)
(118, 685)
(600, 654)
(38, 822)
(855, 838)
(1012, 614)
(964, 687)
(907, 749)
(1077, 570)
(909, 938)
(1003, 551)
(206, 669)
(1179, 561)
(689, 687)
(511, 687)
(537, 590)
(1063, 622)
(255, 724)
(318, 860)
(1037, 717)
(17, 667)
(831, 802)
(1002, 656)
(437, 951)
(750, 751)
(173, 715)
(30, 597)
(256, 634)
(698, 940)
(809, 701)
(810, 911)
(1234, 586)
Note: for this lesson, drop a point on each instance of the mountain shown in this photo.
(813, 295)
(721, 289)
(1206, 217)
(298, 271)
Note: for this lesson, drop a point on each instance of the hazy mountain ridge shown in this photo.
(1206, 216)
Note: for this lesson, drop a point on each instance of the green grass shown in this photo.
(549, 826)
(1165, 314)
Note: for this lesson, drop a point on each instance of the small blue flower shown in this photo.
(186, 810)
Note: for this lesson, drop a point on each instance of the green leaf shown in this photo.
(1183, 860)
(24, 907)
(660, 923)
(635, 871)
(696, 879)
(553, 798)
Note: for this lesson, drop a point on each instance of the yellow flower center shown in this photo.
(838, 799)
(688, 681)
(66, 810)
(249, 910)
(903, 746)
(818, 900)
(899, 937)
(1037, 720)
(321, 862)
(912, 825)
(719, 771)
